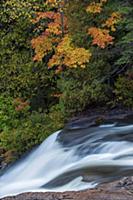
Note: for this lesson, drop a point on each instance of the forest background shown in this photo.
(59, 58)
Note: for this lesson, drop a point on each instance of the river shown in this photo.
(75, 158)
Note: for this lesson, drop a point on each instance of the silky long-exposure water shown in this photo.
(73, 159)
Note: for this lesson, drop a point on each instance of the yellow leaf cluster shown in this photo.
(100, 37)
(56, 3)
(95, 7)
(112, 21)
(69, 56)
(42, 46)
(54, 28)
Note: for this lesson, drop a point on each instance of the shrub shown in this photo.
(124, 91)
(11, 111)
(29, 132)
(78, 93)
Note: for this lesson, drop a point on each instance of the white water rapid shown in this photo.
(62, 161)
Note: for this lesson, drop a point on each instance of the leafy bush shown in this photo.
(26, 130)
(11, 111)
(124, 91)
(78, 93)
(83, 88)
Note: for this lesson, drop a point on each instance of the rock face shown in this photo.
(117, 190)
(86, 195)
(1, 159)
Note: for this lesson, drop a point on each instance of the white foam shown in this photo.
(51, 160)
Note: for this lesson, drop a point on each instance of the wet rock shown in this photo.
(3, 165)
(97, 194)
(85, 122)
(126, 182)
(94, 117)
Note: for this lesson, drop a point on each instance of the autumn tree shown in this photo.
(56, 40)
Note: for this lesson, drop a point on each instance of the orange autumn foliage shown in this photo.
(112, 21)
(42, 46)
(51, 1)
(43, 15)
(100, 37)
(56, 39)
(55, 25)
(66, 54)
(45, 43)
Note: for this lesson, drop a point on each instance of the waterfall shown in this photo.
(72, 160)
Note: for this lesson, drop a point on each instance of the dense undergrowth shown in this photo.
(36, 100)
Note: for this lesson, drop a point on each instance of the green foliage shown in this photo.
(12, 10)
(9, 116)
(15, 59)
(21, 131)
(124, 91)
(78, 91)
(78, 21)
(19, 75)
(125, 43)
(7, 113)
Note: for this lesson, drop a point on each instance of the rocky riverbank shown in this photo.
(117, 190)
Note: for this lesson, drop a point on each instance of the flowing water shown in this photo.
(76, 158)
